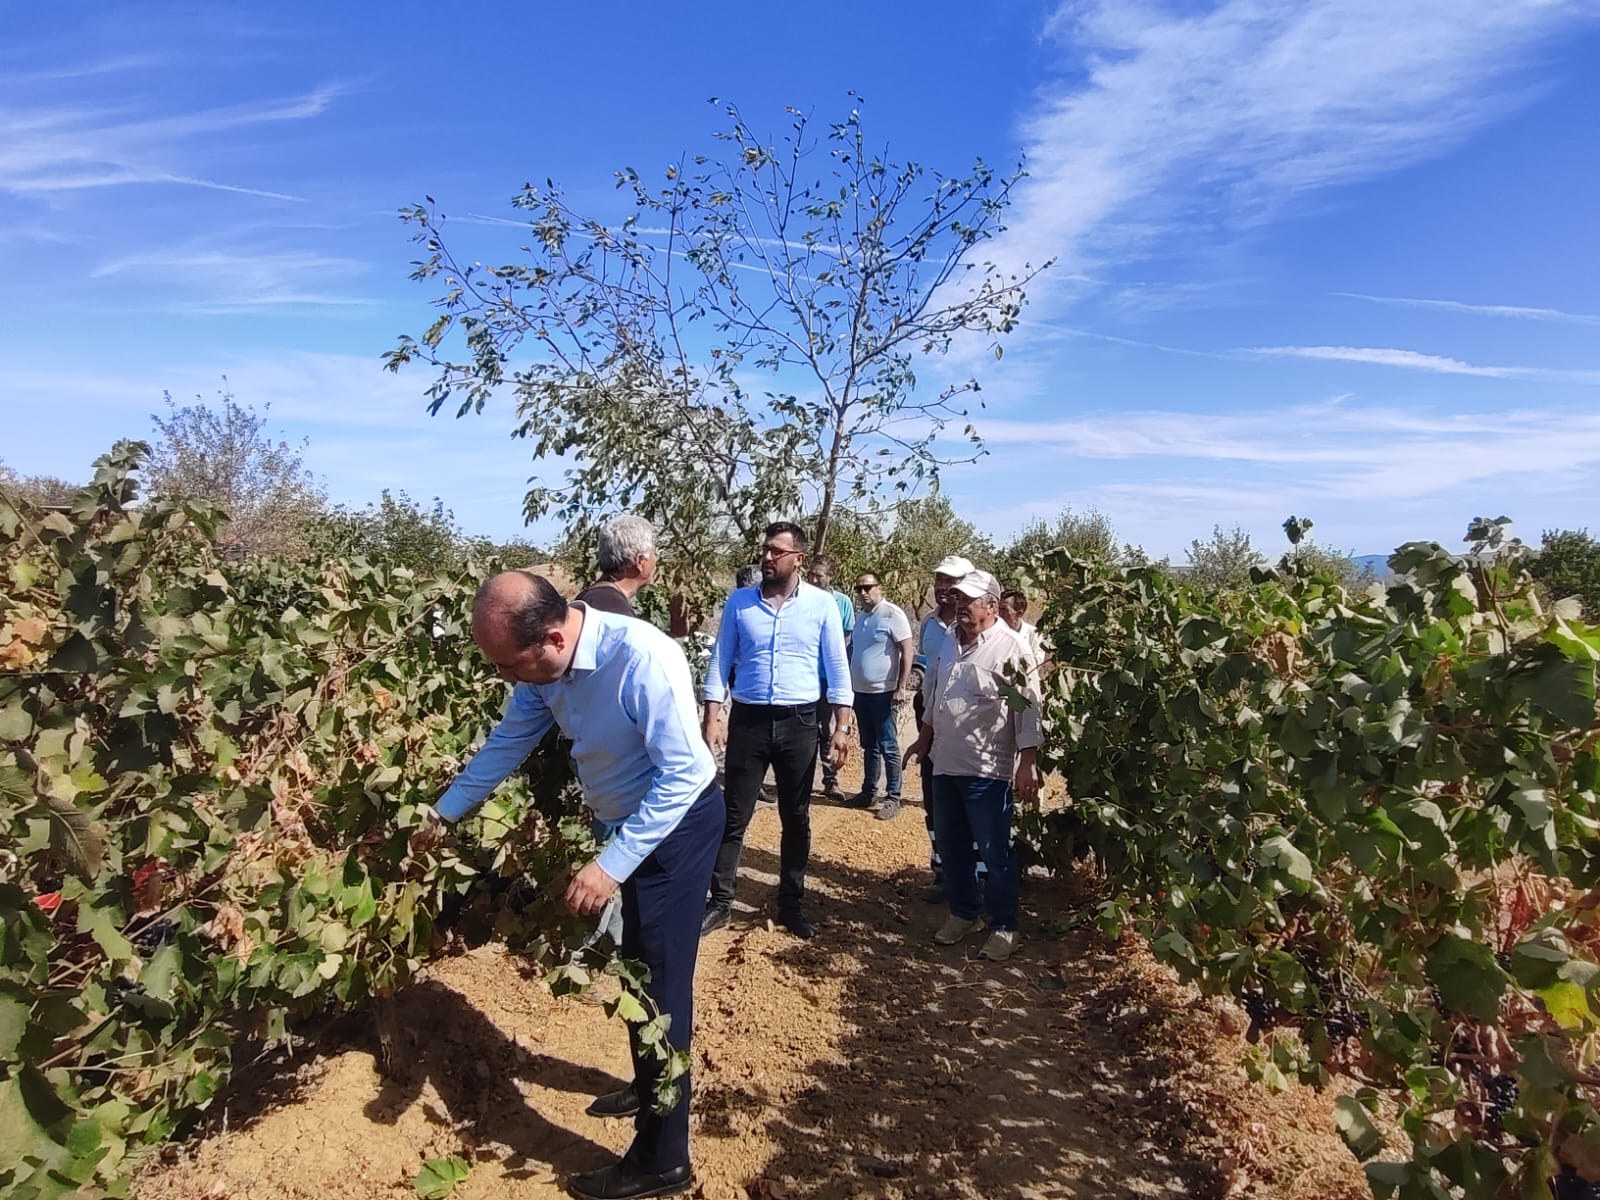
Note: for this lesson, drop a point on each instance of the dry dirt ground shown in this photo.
(865, 1063)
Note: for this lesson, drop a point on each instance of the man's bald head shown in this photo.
(523, 625)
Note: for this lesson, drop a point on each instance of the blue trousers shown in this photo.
(879, 742)
(967, 809)
(663, 902)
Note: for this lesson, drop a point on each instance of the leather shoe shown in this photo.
(716, 918)
(623, 1103)
(795, 922)
(619, 1181)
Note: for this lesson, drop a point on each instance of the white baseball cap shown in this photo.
(976, 584)
(954, 566)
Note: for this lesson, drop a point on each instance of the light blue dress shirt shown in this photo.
(627, 703)
(777, 656)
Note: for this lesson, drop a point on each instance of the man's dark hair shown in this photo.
(1017, 598)
(538, 610)
(823, 560)
(789, 527)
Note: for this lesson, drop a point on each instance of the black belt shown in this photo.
(777, 710)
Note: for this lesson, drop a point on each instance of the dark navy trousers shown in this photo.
(663, 902)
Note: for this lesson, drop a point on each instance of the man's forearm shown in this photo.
(844, 717)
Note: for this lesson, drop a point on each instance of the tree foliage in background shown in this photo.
(401, 531)
(1086, 535)
(1224, 560)
(1568, 564)
(42, 491)
(903, 549)
(744, 346)
(1307, 557)
(227, 458)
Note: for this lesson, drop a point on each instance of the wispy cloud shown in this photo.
(1213, 122)
(1412, 360)
(59, 149)
(226, 281)
(1514, 311)
(85, 70)
(1334, 450)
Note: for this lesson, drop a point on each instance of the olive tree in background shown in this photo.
(1568, 564)
(744, 344)
(1085, 535)
(43, 491)
(1224, 560)
(226, 457)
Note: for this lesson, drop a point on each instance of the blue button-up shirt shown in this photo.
(776, 656)
(627, 703)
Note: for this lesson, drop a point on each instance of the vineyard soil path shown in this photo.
(868, 1062)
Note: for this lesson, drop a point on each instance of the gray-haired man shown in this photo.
(627, 563)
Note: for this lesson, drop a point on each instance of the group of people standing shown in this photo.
(795, 675)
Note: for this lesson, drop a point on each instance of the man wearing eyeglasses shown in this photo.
(880, 671)
(783, 645)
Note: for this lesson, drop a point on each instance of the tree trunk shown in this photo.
(819, 541)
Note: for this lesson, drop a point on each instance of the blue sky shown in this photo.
(1328, 257)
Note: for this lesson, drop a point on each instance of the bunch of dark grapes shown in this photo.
(151, 936)
(1262, 1009)
(1502, 1094)
(1344, 1022)
(1569, 1185)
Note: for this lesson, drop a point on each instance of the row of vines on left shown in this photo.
(209, 776)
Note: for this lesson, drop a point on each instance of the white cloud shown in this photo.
(1372, 476)
(1514, 311)
(57, 149)
(1335, 449)
(1216, 120)
(221, 281)
(1413, 360)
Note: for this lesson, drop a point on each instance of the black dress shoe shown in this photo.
(621, 1182)
(795, 922)
(716, 918)
(623, 1103)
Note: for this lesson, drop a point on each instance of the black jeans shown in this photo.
(661, 928)
(782, 737)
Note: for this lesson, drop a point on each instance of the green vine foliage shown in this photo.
(1370, 816)
(210, 775)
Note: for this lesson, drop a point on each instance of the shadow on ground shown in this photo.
(963, 1078)
(473, 1068)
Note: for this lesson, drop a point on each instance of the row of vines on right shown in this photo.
(1370, 815)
